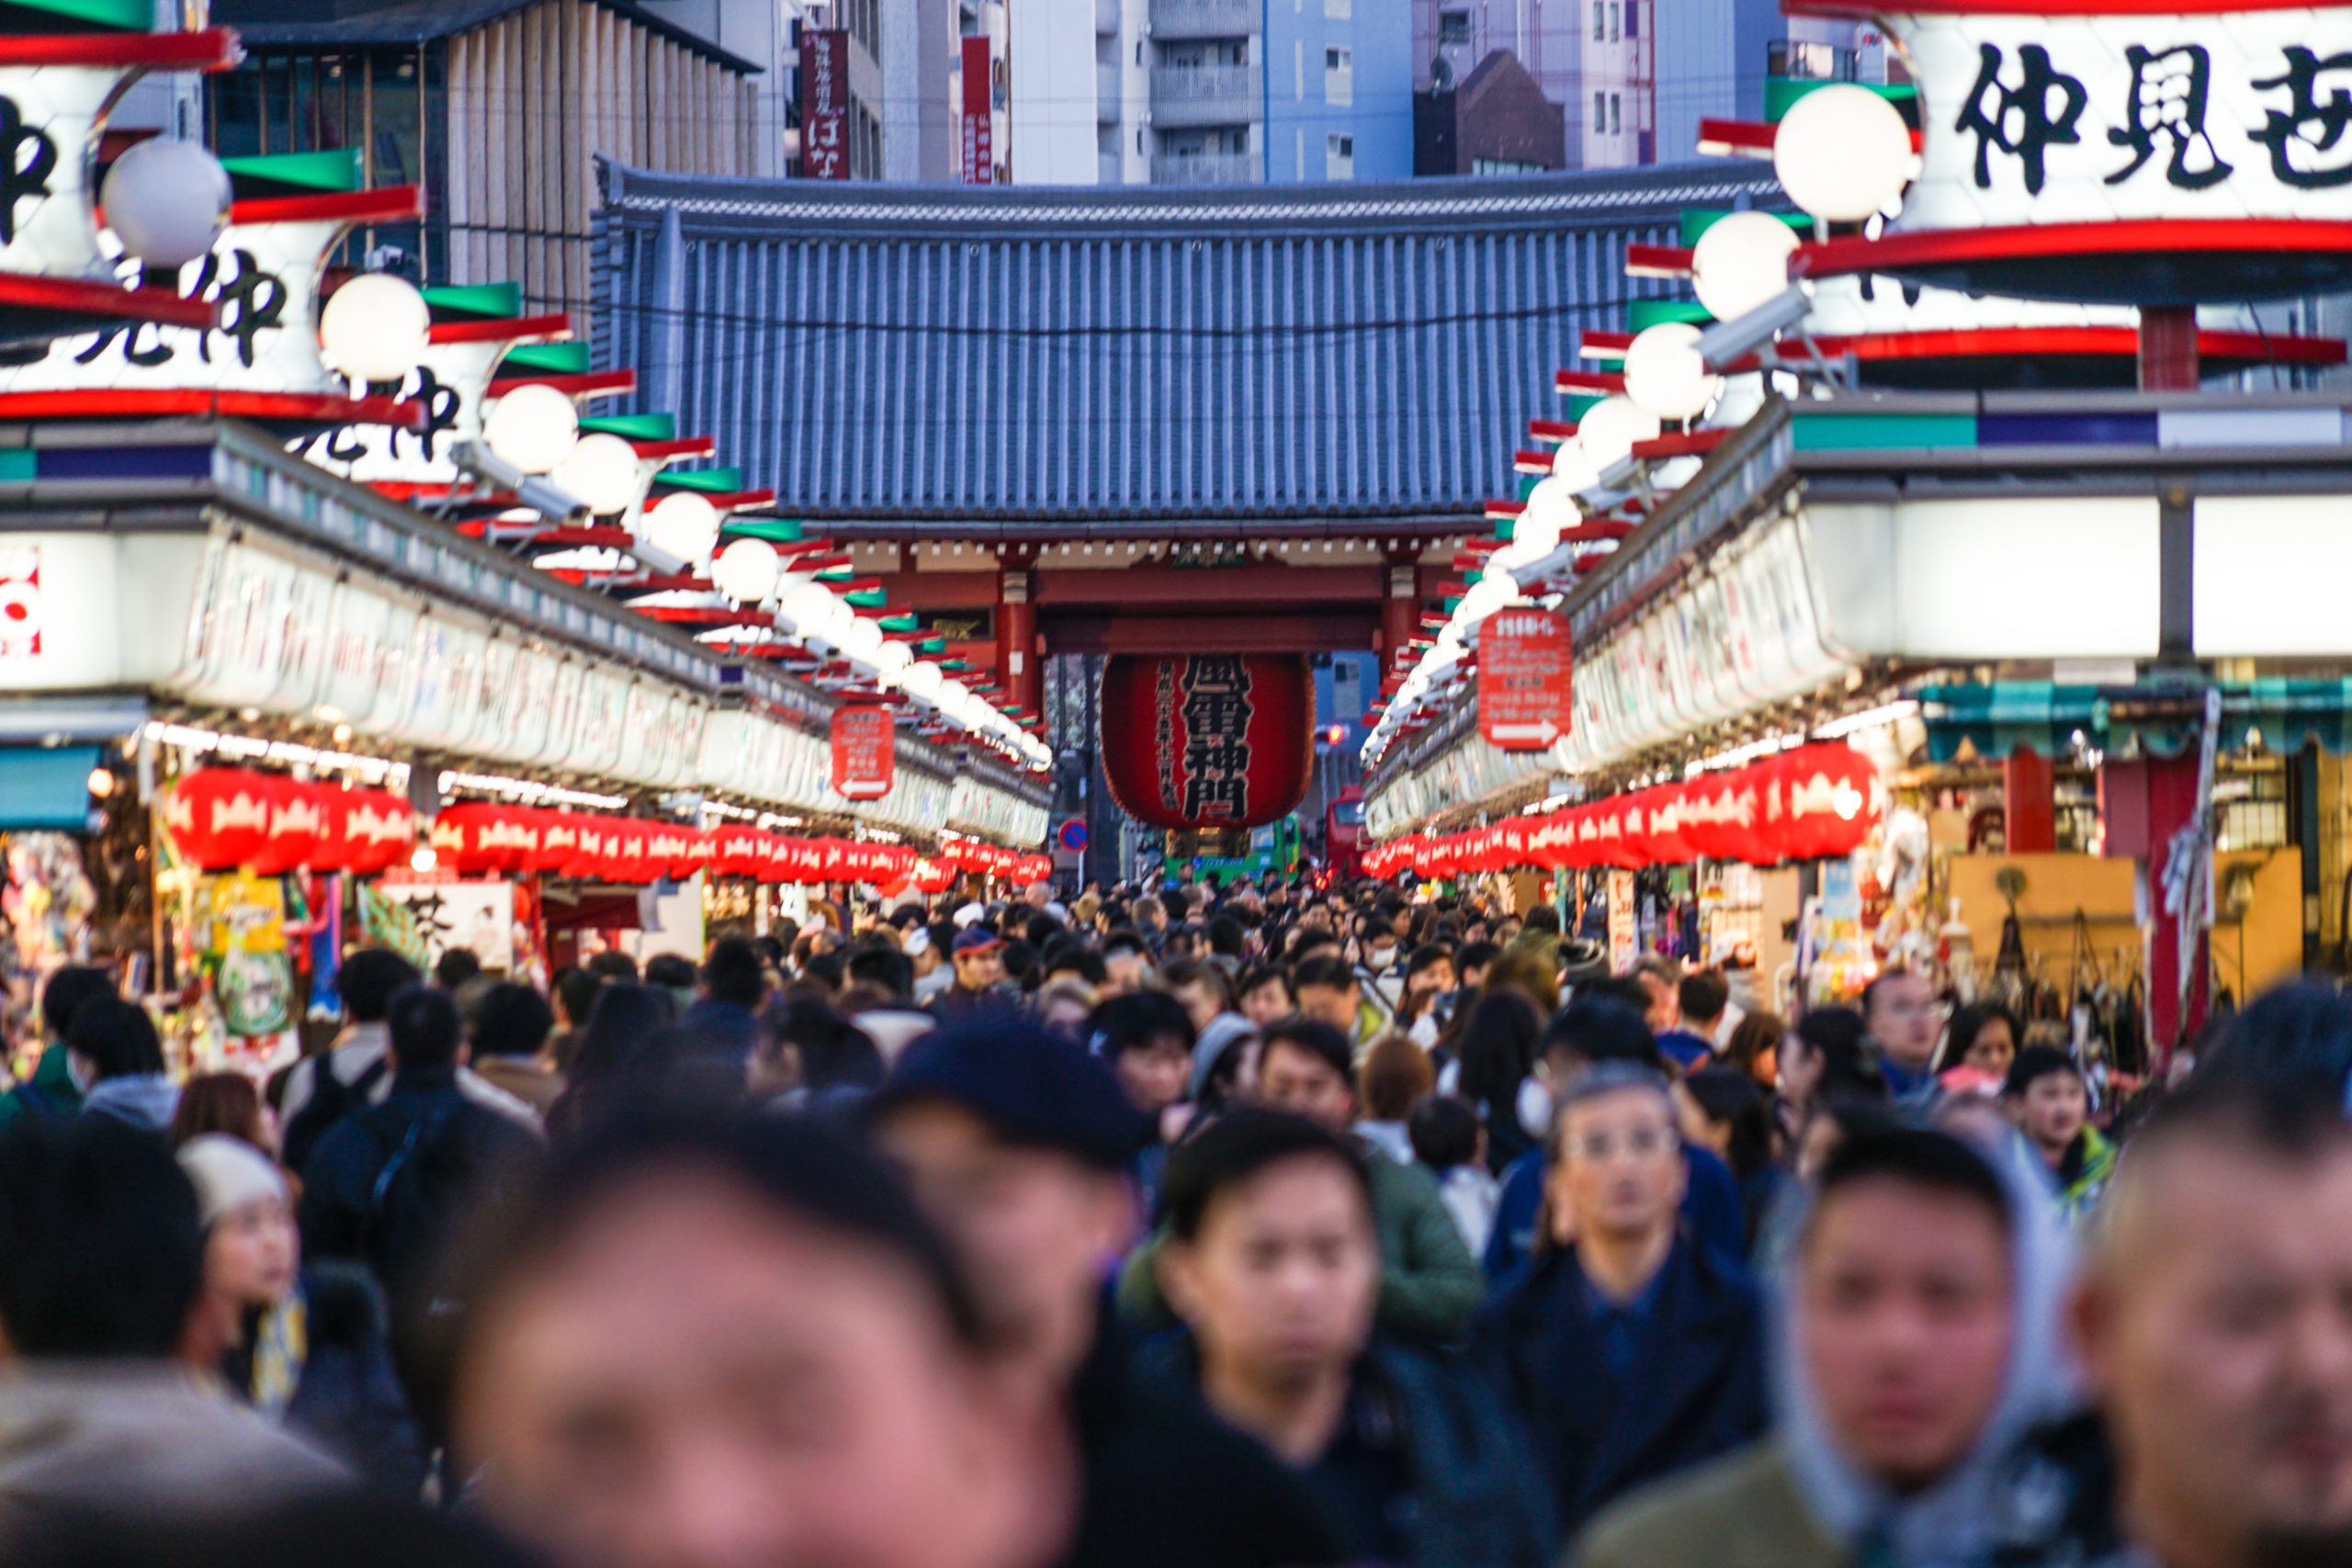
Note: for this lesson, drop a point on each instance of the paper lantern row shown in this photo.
(1815, 801)
(221, 818)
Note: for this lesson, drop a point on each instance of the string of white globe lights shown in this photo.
(375, 329)
(1843, 154)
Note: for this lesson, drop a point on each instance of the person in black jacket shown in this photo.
(1634, 1351)
(388, 1187)
(305, 1347)
(1017, 1143)
(1272, 1259)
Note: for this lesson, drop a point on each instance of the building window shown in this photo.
(1599, 22)
(1633, 25)
(1452, 27)
(1614, 124)
(1599, 113)
(1504, 166)
(1338, 76)
(1338, 10)
(1612, 23)
(1339, 157)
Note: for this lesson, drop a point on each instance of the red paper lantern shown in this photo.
(476, 837)
(933, 876)
(219, 817)
(333, 851)
(1661, 809)
(1832, 800)
(297, 822)
(1207, 740)
(378, 828)
(592, 839)
(558, 842)
(1616, 834)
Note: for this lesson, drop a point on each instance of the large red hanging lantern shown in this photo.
(219, 817)
(1832, 800)
(933, 876)
(470, 839)
(590, 848)
(1207, 740)
(1616, 834)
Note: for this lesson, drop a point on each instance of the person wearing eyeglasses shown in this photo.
(1634, 1351)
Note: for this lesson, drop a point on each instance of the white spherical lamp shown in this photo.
(809, 606)
(167, 201)
(1741, 262)
(375, 328)
(1551, 507)
(922, 679)
(533, 427)
(892, 659)
(1574, 467)
(862, 638)
(600, 470)
(746, 570)
(683, 525)
(1666, 376)
(1842, 152)
(1609, 428)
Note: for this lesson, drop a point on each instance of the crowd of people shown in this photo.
(1182, 1227)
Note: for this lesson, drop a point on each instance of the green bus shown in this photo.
(1249, 852)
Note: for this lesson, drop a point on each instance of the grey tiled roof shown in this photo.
(1343, 353)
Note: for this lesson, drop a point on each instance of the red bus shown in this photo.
(1343, 834)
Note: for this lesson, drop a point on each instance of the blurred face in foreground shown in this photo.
(1907, 1320)
(1330, 1004)
(696, 1377)
(2216, 1328)
(1620, 1171)
(1292, 1079)
(1035, 1227)
(1279, 1285)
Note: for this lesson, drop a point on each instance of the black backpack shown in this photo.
(330, 1101)
(419, 1197)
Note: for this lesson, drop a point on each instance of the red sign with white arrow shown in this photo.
(1523, 669)
(865, 751)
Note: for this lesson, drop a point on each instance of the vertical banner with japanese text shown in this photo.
(979, 151)
(824, 103)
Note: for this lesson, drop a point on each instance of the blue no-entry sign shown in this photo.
(1073, 835)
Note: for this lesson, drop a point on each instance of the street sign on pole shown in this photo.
(1073, 835)
(1523, 678)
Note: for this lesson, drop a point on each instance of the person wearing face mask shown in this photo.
(1381, 966)
(304, 1346)
(1914, 1345)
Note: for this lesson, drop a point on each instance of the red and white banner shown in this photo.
(865, 755)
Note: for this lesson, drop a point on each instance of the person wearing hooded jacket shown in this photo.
(305, 1347)
(1914, 1346)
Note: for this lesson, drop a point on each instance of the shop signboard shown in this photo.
(824, 103)
(1625, 943)
(24, 607)
(865, 750)
(423, 918)
(1525, 697)
(2084, 116)
(979, 152)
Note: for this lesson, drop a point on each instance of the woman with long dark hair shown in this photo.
(1497, 1042)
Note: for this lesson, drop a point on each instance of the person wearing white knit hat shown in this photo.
(304, 1346)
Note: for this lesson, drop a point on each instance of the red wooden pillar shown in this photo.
(2144, 803)
(2030, 803)
(1016, 634)
(1400, 619)
(2168, 348)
